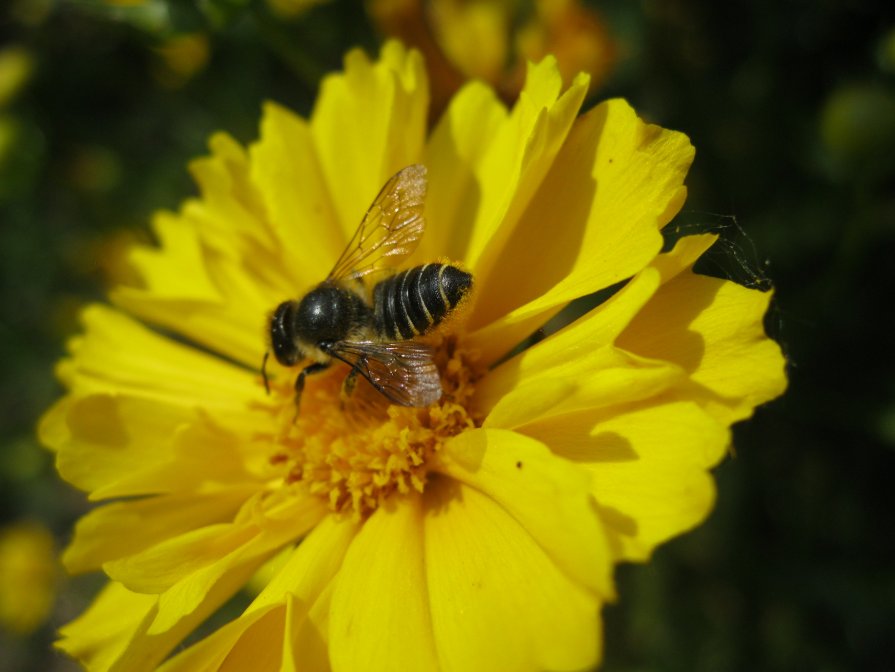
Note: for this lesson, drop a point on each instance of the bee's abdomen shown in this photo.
(414, 301)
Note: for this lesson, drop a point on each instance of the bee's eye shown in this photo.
(282, 339)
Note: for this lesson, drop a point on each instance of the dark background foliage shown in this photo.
(791, 105)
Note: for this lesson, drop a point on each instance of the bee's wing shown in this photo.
(403, 371)
(391, 228)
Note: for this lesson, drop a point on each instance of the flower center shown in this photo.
(358, 452)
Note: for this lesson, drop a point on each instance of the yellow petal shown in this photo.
(516, 161)
(307, 650)
(302, 584)
(234, 326)
(598, 328)
(117, 354)
(607, 377)
(159, 567)
(134, 393)
(682, 257)
(593, 222)
(379, 618)
(220, 265)
(197, 456)
(284, 165)
(714, 330)
(260, 647)
(192, 591)
(454, 155)
(527, 400)
(112, 633)
(299, 586)
(177, 268)
(648, 463)
(133, 390)
(298, 652)
(211, 652)
(179, 558)
(117, 530)
(99, 635)
(230, 216)
(498, 601)
(100, 439)
(368, 123)
(214, 273)
(114, 446)
(547, 495)
(577, 366)
(313, 563)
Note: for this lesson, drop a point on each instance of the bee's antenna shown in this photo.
(264, 371)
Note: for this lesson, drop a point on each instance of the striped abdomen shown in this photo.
(416, 300)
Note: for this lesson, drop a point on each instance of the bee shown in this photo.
(371, 329)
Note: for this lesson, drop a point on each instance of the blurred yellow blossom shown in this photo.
(29, 576)
(493, 40)
(293, 8)
(182, 57)
(16, 65)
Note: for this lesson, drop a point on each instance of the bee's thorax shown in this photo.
(327, 314)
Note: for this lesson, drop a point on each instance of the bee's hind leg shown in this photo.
(350, 381)
(316, 367)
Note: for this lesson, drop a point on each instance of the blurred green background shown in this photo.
(791, 105)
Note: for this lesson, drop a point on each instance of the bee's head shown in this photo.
(282, 334)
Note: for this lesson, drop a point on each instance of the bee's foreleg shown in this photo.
(316, 367)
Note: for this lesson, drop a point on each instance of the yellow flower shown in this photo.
(16, 66)
(293, 8)
(493, 40)
(182, 57)
(477, 534)
(28, 577)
